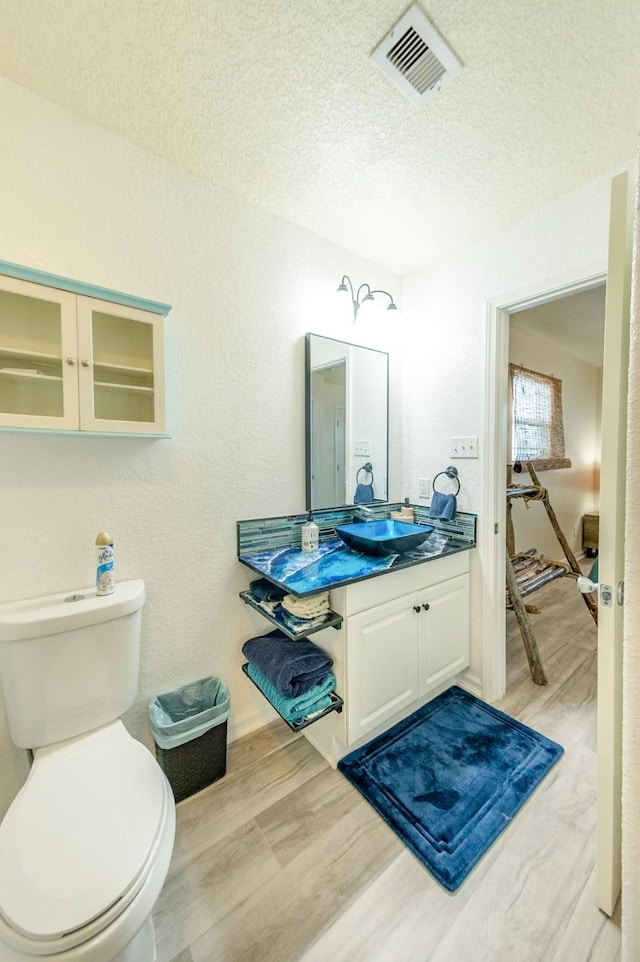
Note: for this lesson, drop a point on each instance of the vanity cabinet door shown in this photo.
(121, 368)
(38, 357)
(443, 631)
(382, 669)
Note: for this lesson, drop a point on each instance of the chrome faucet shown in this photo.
(364, 513)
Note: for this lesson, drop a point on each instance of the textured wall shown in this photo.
(445, 310)
(245, 287)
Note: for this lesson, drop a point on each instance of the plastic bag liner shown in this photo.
(180, 715)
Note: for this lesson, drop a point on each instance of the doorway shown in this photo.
(499, 316)
(562, 339)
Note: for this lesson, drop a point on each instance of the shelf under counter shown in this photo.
(337, 704)
(290, 626)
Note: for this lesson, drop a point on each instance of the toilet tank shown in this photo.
(69, 662)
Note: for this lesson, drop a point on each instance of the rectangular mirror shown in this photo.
(347, 423)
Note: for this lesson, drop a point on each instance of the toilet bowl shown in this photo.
(86, 844)
(84, 851)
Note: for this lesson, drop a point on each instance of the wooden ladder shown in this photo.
(528, 571)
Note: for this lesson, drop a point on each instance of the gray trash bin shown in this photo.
(189, 727)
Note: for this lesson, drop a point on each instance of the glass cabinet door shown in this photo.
(38, 360)
(121, 365)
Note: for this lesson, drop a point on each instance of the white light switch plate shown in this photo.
(464, 447)
(361, 448)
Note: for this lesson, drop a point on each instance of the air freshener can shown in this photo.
(105, 575)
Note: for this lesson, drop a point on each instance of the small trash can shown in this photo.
(189, 727)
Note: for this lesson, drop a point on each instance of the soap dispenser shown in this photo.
(310, 535)
(407, 511)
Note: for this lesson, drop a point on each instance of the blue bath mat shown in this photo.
(449, 778)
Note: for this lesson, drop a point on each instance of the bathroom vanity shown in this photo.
(398, 631)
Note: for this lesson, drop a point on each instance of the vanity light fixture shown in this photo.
(364, 295)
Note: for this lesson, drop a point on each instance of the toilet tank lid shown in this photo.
(52, 614)
(79, 832)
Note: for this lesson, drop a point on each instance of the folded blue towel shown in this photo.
(265, 590)
(364, 494)
(292, 666)
(295, 709)
(443, 506)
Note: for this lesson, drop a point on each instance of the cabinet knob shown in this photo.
(71, 361)
(426, 607)
(416, 608)
(84, 362)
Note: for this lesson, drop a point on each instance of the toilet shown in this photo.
(86, 844)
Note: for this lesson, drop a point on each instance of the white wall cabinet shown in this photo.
(70, 362)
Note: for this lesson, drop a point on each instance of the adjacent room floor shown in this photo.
(282, 860)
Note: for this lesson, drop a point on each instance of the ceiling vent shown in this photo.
(416, 58)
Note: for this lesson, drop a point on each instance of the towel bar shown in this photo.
(450, 472)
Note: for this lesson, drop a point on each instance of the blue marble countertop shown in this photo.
(334, 565)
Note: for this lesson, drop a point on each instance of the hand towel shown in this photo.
(295, 709)
(292, 666)
(264, 590)
(443, 506)
(364, 494)
(310, 607)
(308, 603)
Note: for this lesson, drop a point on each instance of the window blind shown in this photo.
(537, 427)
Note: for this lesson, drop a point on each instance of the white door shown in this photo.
(328, 400)
(611, 544)
(341, 455)
(443, 631)
(383, 664)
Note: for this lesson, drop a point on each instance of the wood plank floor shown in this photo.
(283, 861)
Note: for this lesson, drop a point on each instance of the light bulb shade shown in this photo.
(363, 298)
(367, 309)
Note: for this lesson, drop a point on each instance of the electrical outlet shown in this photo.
(424, 488)
(361, 449)
(464, 447)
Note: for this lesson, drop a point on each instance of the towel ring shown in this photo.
(452, 473)
(368, 467)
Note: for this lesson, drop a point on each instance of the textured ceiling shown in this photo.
(279, 103)
(574, 323)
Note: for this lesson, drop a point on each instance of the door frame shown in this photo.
(498, 311)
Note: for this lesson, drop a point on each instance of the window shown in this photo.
(537, 431)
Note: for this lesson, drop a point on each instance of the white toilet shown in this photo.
(86, 844)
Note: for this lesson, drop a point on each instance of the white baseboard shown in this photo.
(471, 683)
(248, 722)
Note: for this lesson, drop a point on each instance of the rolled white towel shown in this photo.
(307, 607)
(305, 612)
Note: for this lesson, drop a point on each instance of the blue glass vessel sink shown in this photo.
(383, 537)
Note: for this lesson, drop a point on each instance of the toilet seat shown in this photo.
(84, 799)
